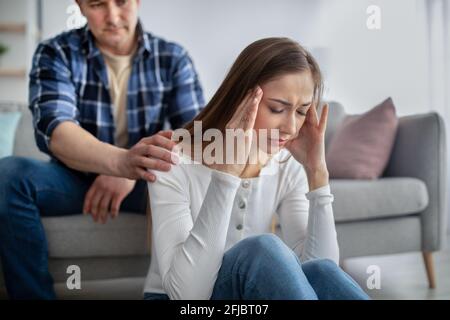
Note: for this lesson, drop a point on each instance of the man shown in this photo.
(99, 96)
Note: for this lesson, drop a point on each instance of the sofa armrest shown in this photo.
(420, 151)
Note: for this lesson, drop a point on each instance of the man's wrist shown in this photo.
(115, 161)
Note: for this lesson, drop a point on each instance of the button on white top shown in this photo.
(246, 184)
(242, 204)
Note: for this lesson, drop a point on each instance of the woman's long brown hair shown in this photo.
(260, 62)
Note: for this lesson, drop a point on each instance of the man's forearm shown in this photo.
(80, 150)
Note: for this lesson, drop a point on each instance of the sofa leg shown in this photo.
(429, 266)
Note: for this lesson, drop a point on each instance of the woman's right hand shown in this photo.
(243, 120)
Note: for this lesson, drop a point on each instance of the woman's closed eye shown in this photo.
(275, 110)
(278, 110)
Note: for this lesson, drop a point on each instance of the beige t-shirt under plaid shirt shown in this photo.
(119, 70)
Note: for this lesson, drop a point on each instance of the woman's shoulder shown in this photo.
(182, 173)
(189, 168)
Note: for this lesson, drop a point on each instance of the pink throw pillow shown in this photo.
(361, 146)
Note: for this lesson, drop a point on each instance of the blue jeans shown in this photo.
(263, 267)
(29, 190)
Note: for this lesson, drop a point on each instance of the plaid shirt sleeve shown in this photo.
(186, 99)
(52, 97)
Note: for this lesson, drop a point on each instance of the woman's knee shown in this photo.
(321, 266)
(263, 242)
(266, 263)
(330, 281)
(265, 245)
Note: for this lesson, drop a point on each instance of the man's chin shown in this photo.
(113, 43)
(115, 30)
(113, 38)
(114, 35)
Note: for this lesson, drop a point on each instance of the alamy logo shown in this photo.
(74, 280)
(374, 280)
(75, 19)
(230, 147)
(374, 19)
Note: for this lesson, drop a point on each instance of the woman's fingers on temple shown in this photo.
(315, 117)
(241, 111)
(324, 118)
(252, 110)
(311, 116)
(238, 113)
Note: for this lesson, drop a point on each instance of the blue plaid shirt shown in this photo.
(69, 82)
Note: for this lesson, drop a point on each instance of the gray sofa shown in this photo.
(404, 211)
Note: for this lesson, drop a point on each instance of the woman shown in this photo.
(211, 220)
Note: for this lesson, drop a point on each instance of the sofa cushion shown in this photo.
(24, 142)
(383, 198)
(361, 146)
(8, 123)
(78, 236)
(336, 115)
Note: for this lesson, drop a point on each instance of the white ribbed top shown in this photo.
(199, 213)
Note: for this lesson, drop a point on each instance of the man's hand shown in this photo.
(105, 197)
(151, 153)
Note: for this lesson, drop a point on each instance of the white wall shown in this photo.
(369, 65)
(55, 16)
(215, 32)
(21, 46)
(363, 66)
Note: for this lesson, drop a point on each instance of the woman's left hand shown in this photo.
(308, 147)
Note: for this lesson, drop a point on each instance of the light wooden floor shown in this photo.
(403, 276)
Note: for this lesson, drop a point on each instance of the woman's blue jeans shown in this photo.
(262, 267)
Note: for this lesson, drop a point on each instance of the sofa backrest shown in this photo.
(25, 143)
(336, 115)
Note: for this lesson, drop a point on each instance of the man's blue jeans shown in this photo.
(29, 190)
(262, 267)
